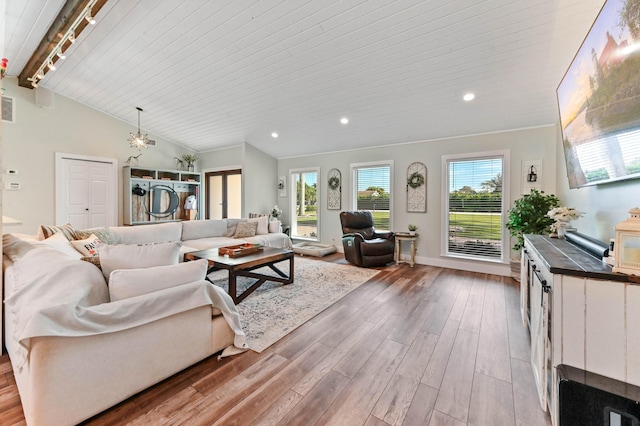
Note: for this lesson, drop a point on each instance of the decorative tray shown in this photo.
(239, 250)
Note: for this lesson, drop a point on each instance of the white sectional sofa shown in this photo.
(76, 350)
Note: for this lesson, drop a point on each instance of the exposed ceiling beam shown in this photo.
(68, 14)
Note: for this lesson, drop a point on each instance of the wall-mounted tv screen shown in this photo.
(599, 99)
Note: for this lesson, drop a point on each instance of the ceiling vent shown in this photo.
(8, 109)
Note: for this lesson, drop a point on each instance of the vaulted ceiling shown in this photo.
(212, 73)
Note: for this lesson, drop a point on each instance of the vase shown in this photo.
(562, 230)
(191, 168)
(412, 232)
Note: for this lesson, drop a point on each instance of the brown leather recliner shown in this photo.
(363, 245)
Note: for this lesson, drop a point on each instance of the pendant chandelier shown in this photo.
(139, 140)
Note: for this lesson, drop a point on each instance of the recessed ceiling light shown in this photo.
(344, 120)
(468, 97)
(274, 135)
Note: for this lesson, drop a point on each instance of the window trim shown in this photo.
(292, 199)
(444, 203)
(353, 195)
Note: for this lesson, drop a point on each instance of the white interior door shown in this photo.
(86, 191)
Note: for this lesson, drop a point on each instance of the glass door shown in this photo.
(304, 205)
(224, 194)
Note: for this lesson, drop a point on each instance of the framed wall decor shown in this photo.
(282, 186)
(334, 189)
(417, 188)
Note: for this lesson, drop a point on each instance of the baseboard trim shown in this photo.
(467, 265)
(463, 265)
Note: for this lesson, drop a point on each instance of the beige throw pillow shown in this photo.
(124, 256)
(87, 246)
(246, 229)
(67, 230)
(125, 283)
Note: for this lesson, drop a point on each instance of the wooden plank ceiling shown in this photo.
(210, 74)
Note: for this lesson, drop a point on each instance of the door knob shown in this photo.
(86, 209)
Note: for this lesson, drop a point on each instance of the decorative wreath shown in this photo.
(334, 182)
(415, 180)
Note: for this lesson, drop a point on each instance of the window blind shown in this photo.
(475, 214)
(373, 192)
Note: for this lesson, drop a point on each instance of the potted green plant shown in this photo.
(412, 229)
(190, 160)
(529, 215)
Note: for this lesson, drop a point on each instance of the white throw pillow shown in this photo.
(87, 246)
(263, 224)
(59, 242)
(274, 226)
(124, 256)
(125, 283)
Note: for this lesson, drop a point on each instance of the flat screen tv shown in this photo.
(599, 99)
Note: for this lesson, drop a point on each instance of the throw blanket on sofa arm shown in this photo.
(54, 295)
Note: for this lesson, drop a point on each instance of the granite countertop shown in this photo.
(562, 257)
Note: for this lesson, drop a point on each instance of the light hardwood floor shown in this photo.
(413, 346)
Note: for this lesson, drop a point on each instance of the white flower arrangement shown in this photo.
(564, 214)
(276, 212)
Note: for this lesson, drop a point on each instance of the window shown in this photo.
(474, 208)
(372, 191)
(304, 204)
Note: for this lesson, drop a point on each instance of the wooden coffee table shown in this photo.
(243, 267)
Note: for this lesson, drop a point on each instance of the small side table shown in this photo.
(405, 236)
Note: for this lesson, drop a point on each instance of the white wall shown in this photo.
(528, 144)
(221, 159)
(69, 127)
(259, 180)
(604, 205)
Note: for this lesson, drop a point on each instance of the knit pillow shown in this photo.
(106, 235)
(246, 229)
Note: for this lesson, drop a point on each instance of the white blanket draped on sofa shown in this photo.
(73, 300)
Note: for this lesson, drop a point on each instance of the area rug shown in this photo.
(274, 310)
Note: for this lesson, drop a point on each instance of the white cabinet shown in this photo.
(152, 195)
(539, 330)
(591, 317)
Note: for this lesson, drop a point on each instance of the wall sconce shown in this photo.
(532, 176)
(280, 185)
